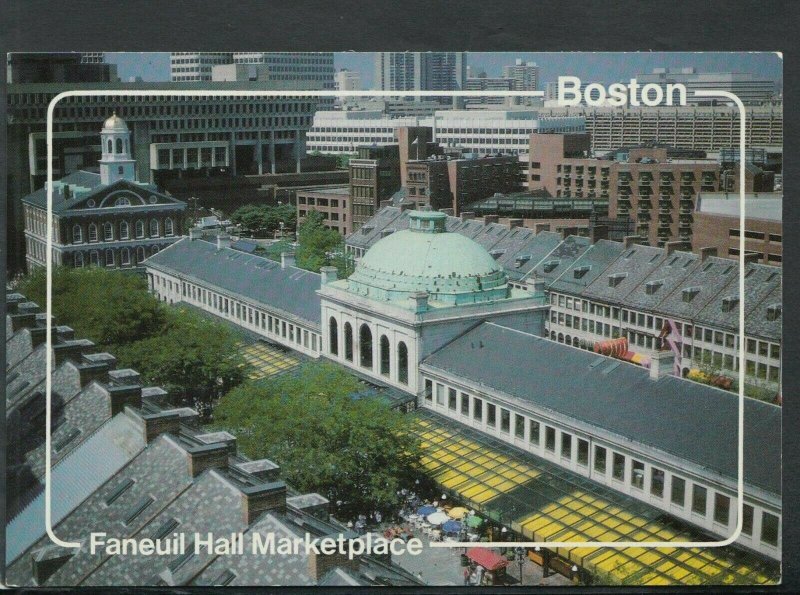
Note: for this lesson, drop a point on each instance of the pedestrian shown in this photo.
(466, 576)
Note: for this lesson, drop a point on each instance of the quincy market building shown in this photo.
(433, 313)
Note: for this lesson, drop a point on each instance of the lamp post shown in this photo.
(520, 552)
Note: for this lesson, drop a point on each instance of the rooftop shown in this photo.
(758, 205)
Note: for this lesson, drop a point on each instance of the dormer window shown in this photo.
(653, 286)
(729, 303)
(581, 271)
(616, 278)
(774, 312)
(550, 265)
(522, 259)
(689, 293)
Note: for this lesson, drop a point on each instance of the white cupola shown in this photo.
(116, 162)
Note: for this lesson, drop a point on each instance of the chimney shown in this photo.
(538, 227)
(155, 424)
(535, 286)
(124, 376)
(751, 257)
(419, 299)
(672, 246)
(706, 252)
(263, 469)
(219, 437)
(71, 350)
(314, 504)
(223, 241)
(328, 275)
(196, 233)
(287, 260)
(89, 371)
(487, 219)
(630, 241)
(13, 300)
(207, 456)
(261, 498)
(321, 564)
(467, 215)
(120, 397)
(598, 232)
(662, 363)
(513, 223)
(25, 316)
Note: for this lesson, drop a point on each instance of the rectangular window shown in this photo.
(428, 387)
(722, 509)
(769, 528)
(637, 474)
(550, 438)
(699, 495)
(519, 426)
(583, 452)
(491, 415)
(657, 482)
(566, 445)
(505, 420)
(747, 519)
(477, 409)
(439, 394)
(678, 494)
(451, 398)
(534, 432)
(618, 469)
(464, 404)
(600, 459)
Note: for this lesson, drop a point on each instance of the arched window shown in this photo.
(168, 230)
(365, 346)
(94, 258)
(77, 234)
(123, 230)
(79, 260)
(348, 342)
(92, 232)
(154, 250)
(574, 341)
(110, 146)
(119, 145)
(333, 336)
(140, 229)
(109, 258)
(108, 231)
(560, 337)
(125, 257)
(402, 362)
(153, 228)
(385, 355)
(140, 254)
(122, 201)
(120, 170)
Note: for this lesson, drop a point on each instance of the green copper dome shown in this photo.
(450, 267)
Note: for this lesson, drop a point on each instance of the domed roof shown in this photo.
(450, 267)
(115, 124)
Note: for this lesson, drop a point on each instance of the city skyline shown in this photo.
(596, 66)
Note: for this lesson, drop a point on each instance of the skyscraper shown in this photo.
(423, 71)
(196, 66)
(525, 75)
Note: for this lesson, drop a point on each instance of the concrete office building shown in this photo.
(347, 80)
(392, 107)
(170, 135)
(472, 131)
(333, 202)
(524, 74)
(314, 70)
(240, 72)
(484, 83)
(195, 66)
(751, 88)
(61, 67)
(693, 127)
(716, 224)
(422, 71)
(107, 219)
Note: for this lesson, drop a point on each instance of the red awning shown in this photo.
(617, 348)
(487, 558)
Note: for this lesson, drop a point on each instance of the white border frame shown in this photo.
(292, 94)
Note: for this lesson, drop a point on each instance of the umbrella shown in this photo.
(451, 527)
(426, 510)
(474, 521)
(458, 512)
(437, 518)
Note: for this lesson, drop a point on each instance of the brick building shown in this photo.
(374, 176)
(332, 201)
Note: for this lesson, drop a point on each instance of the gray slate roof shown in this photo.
(257, 279)
(692, 421)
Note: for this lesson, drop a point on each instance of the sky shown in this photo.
(602, 67)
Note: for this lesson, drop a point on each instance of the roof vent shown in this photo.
(616, 278)
(521, 259)
(729, 303)
(774, 312)
(653, 286)
(581, 271)
(497, 253)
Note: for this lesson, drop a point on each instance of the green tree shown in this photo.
(264, 220)
(112, 308)
(195, 359)
(354, 451)
(318, 246)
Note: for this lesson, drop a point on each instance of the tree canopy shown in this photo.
(264, 220)
(318, 246)
(353, 451)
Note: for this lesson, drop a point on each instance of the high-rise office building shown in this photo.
(752, 89)
(196, 66)
(348, 80)
(423, 71)
(314, 68)
(525, 75)
(93, 57)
